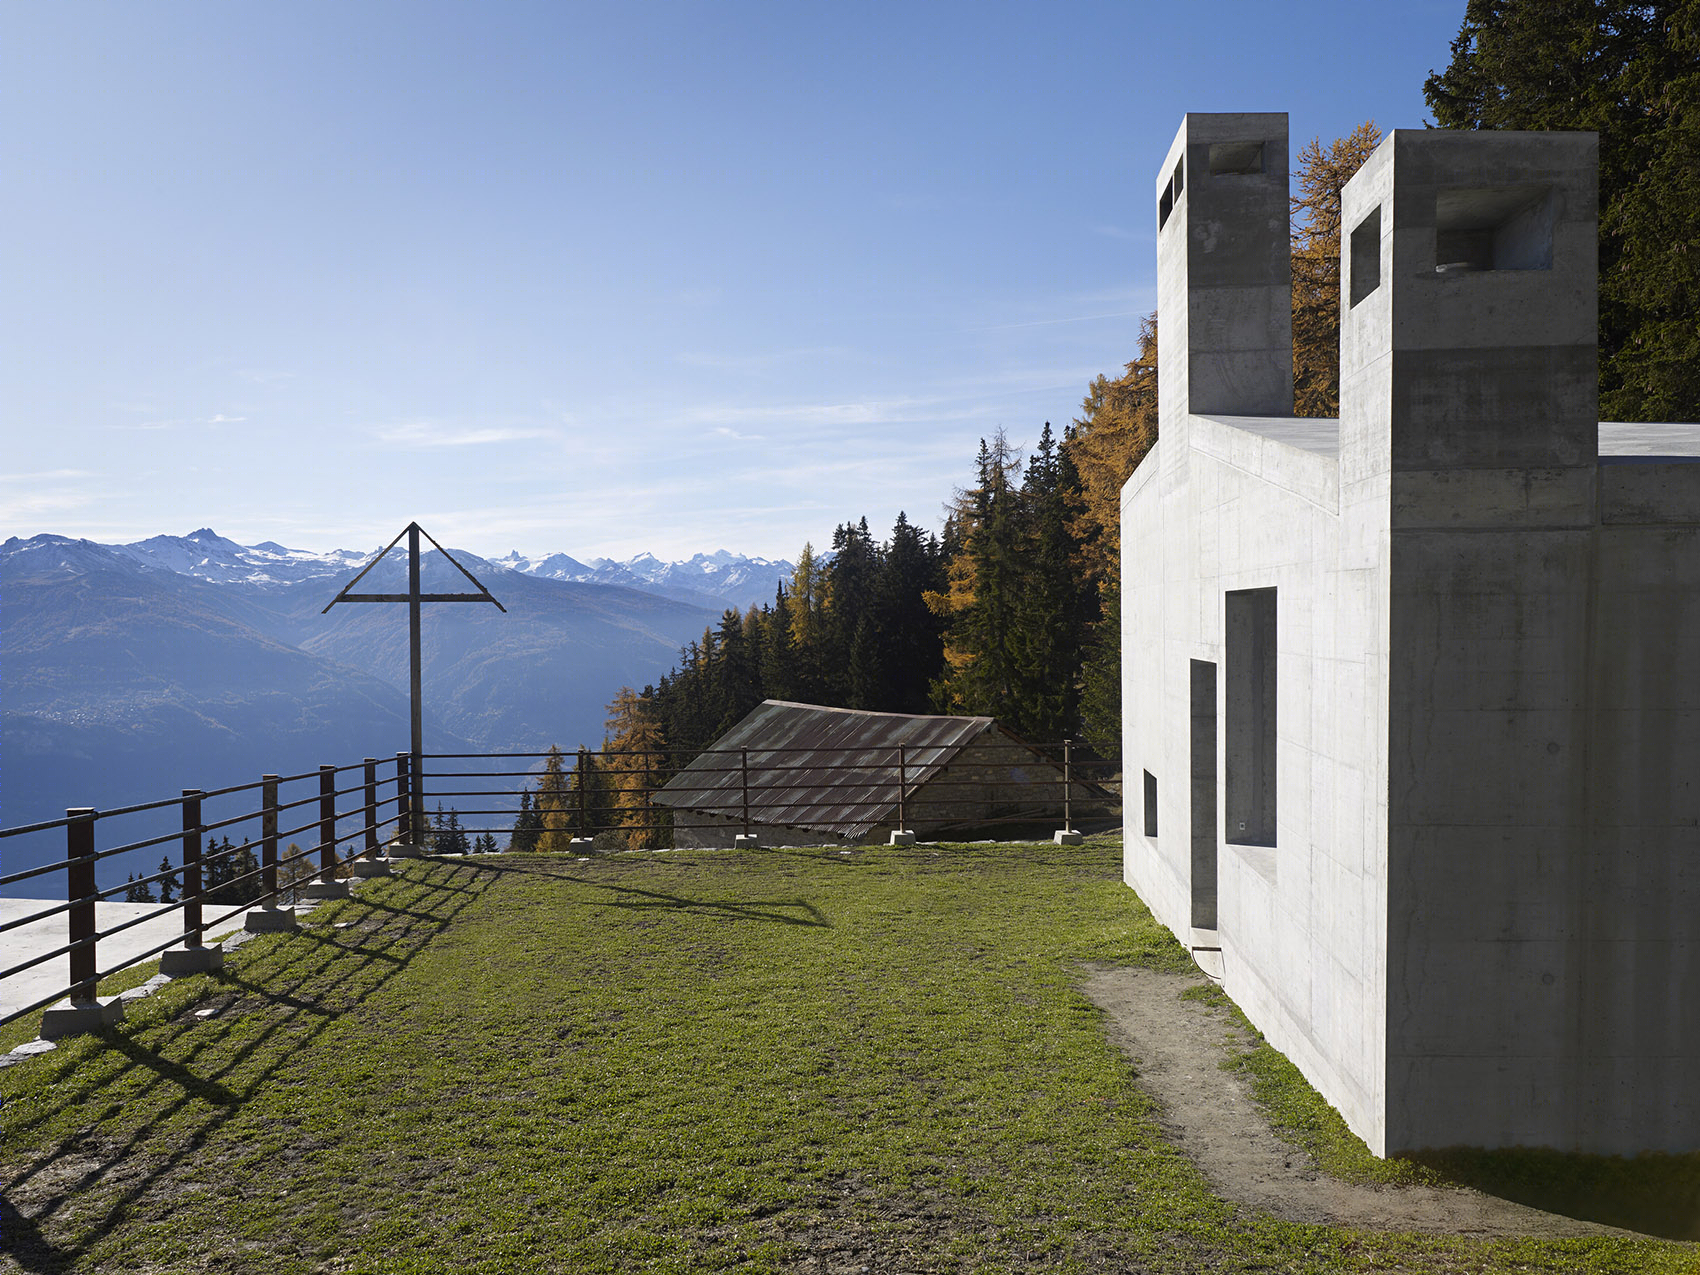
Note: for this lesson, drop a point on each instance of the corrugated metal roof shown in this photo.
(824, 769)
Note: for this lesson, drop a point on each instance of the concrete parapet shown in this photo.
(79, 1019)
(191, 960)
(270, 920)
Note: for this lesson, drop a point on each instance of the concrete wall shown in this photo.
(1233, 500)
(1479, 919)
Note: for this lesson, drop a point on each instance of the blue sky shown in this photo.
(596, 278)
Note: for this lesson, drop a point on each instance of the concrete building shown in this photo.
(1414, 695)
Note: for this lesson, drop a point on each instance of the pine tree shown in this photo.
(1630, 71)
(554, 805)
(636, 759)
(909, 635)
(1322, 175)
(528, 827)
(1116, 428)
(167, 884)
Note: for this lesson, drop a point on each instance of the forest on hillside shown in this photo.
(1013, 610)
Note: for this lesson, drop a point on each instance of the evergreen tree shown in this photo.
(167, 884)
(636, 766)
(1053, 606)
(1116, 428)
(484, 843)
(1101, 680)
(778, 652)
(447, 836)
(554, 805)
(1322, 175)
(1630, 71)
(909, 635)
(528, 827)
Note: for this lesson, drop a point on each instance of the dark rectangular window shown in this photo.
(1203, 794)
(1150, 804)
(1249, 799)
(1366, 257)
(1235, 158)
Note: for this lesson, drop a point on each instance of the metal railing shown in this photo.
(590, 800)
(272, 876)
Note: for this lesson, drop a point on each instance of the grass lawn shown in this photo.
(706, 1060)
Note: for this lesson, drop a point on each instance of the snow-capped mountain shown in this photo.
(714, 580)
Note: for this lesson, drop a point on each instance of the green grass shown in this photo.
(705, 1061)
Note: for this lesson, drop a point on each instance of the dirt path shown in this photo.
(1209, 1113)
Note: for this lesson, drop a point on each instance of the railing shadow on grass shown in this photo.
(25, 1238)
(748, 910)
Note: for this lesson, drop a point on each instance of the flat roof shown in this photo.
(1319, 434)
(1621, 442)
(1646, 443)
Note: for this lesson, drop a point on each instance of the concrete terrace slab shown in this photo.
(52, 932)
(1319, 434)
(1636, 442)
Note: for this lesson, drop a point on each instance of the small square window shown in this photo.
(1494, 228)
(1231, 158)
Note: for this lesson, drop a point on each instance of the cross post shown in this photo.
(413, 597)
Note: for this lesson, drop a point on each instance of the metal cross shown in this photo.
(413, 597)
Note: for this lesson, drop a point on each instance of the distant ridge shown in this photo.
(712, 580)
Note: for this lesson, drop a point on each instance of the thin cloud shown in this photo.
(432, 436)
(47, 476)
(723, 432)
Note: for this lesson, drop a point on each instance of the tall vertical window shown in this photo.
(1249, 754)
(1150, 804)
(1203, 748)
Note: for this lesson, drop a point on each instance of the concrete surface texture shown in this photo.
(46, 935)
(1415, 694)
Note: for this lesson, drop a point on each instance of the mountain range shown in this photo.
(131, 671)
(713, 580)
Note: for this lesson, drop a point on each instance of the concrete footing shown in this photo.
(370, 868)
(77, 1019)
(322, 890)
(902, 837)
(191, 960)
(582, 844)
(1067, 837)
(406, 852)
(746, 841)
(270, 920)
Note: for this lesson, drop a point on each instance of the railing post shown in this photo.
(1068, 782)
(745, 763)
(371, 798)
(403, 803)
(582, 777)
(190, 899)
(1066, 835)
(79, 892)
(268, 837)
(327, 823)
(902, 788)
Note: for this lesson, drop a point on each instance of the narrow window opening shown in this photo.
(1150, 804)
(1203, 777)
(1494, 228)
(1235, 158)
(1178, 181)
(1166, 205)
(1365, 263)
(1249, 799)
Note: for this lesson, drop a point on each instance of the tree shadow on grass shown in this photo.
(72, 1172)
